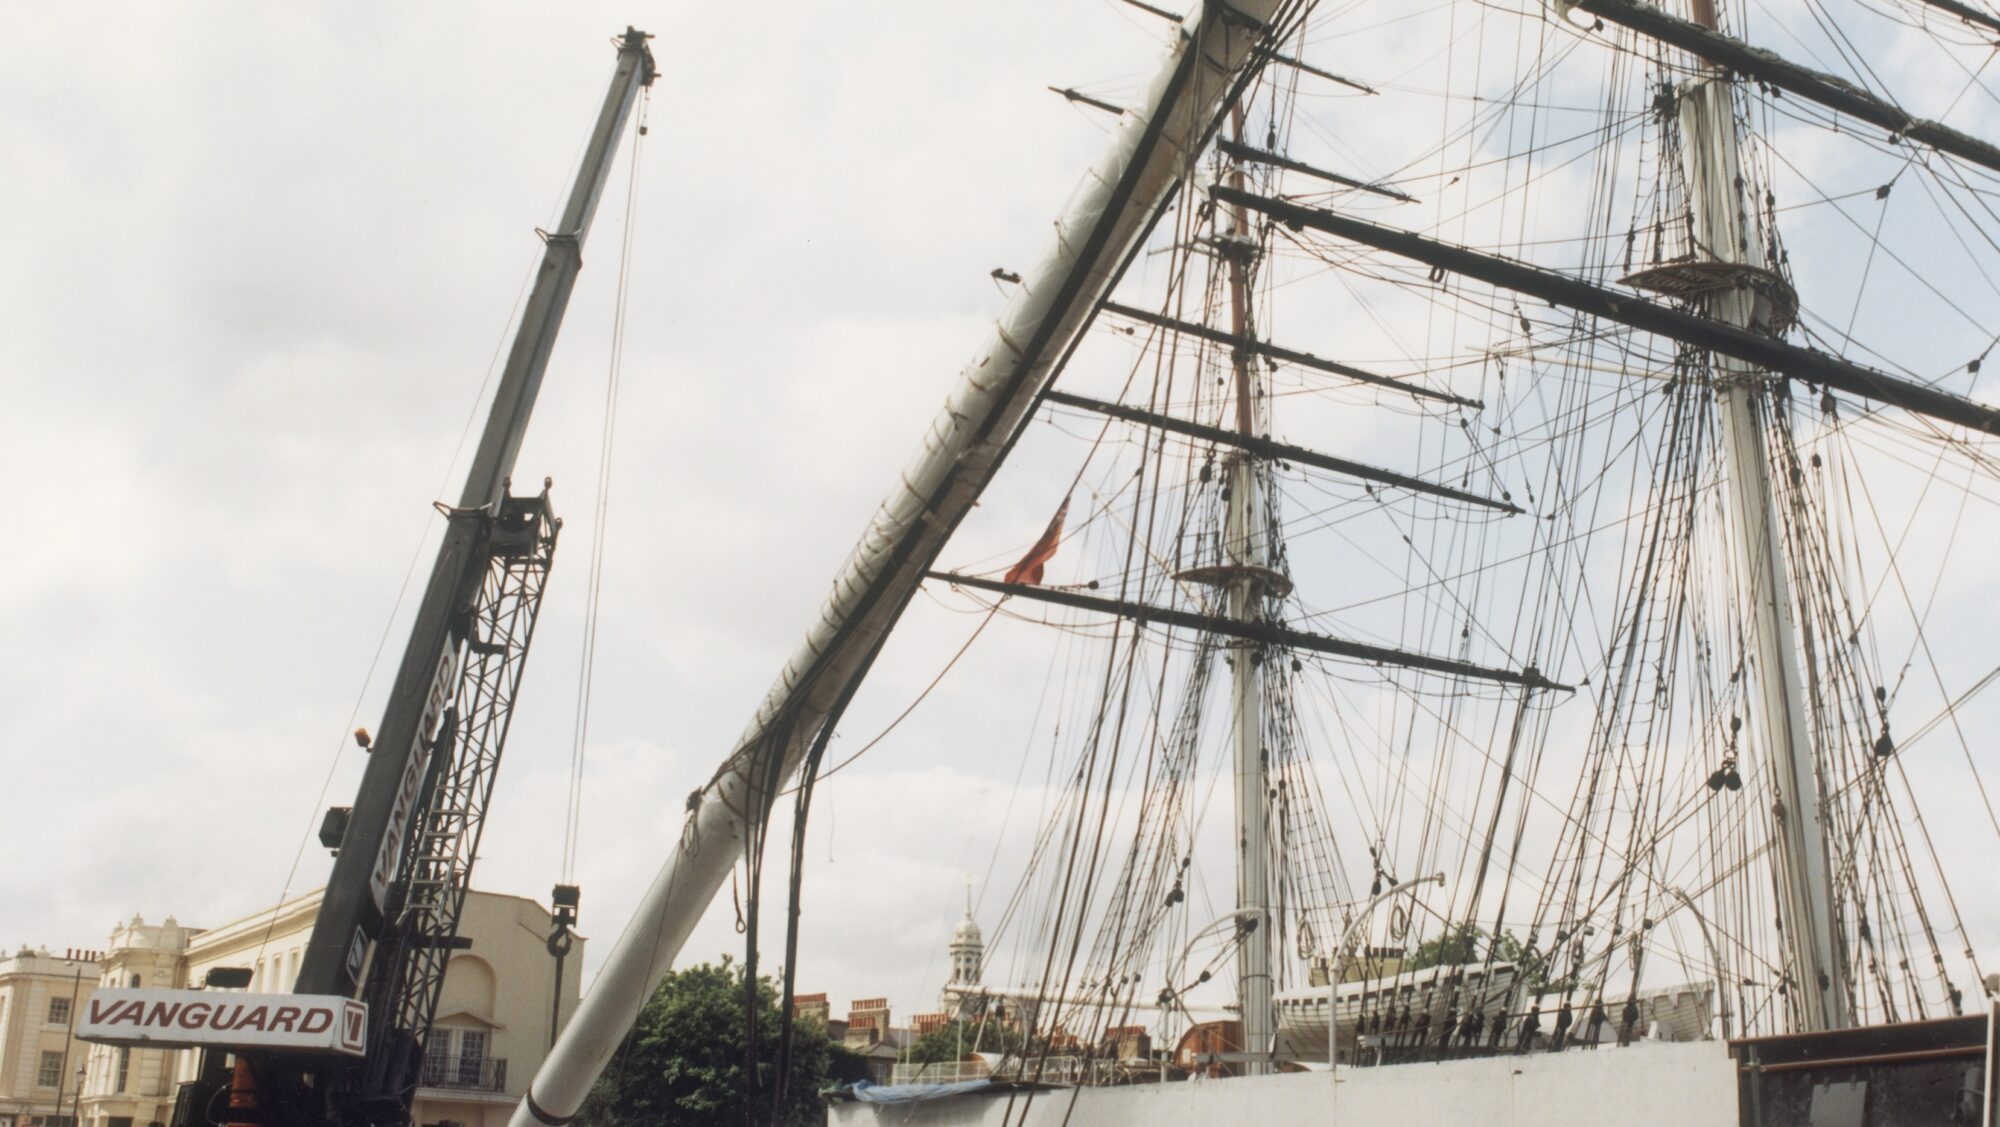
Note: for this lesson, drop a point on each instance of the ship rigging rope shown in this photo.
(935, 681)
(1067, 927)
(1874, 240)
(601, 505)
(1286, 18)
(1666, 658)
(1103, 431)
(1950, 711)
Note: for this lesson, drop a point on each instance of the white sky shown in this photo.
(260, 258)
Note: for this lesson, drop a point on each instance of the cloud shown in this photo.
(264, 259)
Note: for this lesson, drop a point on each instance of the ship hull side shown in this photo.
(1669, 1085)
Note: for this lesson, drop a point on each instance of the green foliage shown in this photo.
(948, 1042)
(1468, 944)
(1460, 945)
(684, 1061)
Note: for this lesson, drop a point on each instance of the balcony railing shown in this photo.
(482, 1074)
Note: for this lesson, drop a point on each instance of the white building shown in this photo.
(968, 952)
(491, 1032)
(133, 1087)
(40, 995)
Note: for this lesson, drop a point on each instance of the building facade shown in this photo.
(40, 995)
(492, 1029)
(134, 1087)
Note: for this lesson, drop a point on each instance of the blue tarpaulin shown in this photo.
(912, 1093)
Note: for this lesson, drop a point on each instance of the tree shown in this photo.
(1456, 946)
(950, 1042)
(684, 1060)
(1466, 944)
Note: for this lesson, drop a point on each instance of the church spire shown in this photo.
(968, 951)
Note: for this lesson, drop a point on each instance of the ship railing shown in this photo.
(1065, 1070)
(940, 1072)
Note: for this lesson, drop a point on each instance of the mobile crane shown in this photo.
(345, 1049)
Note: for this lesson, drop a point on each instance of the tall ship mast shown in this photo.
(1728, 241)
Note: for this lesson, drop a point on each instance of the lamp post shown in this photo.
(69, 1037)
(1227, 917)
(1339, 955)
(1256, 914)
(1715, 957)
(1722, 985)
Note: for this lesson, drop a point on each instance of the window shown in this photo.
(58, 1011)
(471, 1054)
(50, 1074)
(124, 1068)
(437, 1051)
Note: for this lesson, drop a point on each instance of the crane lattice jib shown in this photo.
(492, 634)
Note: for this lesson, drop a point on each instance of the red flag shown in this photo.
(1029, 570)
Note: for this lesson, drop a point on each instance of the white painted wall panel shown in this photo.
(1648, 1085)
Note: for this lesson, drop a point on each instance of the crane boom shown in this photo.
(371, 850)
(388, 920)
